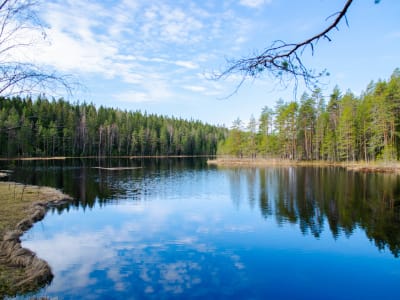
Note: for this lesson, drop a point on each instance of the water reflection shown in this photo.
(306, 196)
(165, 244)
(89, 185)
(298, 195)
(179, 229)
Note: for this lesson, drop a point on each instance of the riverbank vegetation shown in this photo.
(22, 205)
(45, 127)
(342, 128)
(362, 166)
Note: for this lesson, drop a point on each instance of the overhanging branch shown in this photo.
(283, 60)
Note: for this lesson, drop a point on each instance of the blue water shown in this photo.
(209, 233)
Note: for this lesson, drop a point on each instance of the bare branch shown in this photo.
(3, 4)
(17, 78)
(19, 25)
(283, 60)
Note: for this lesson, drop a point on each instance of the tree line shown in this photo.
(343, 127)
(43, 127)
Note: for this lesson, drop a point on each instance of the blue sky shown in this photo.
(157, 55)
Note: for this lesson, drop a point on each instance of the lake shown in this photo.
(177, 228)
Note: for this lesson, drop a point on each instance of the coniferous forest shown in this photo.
(57, 128)
(342, 127)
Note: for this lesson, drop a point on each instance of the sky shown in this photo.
(158, 56)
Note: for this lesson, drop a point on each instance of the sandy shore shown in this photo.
(393, 167)
(22, 205)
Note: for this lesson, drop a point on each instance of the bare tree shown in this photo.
(20, 28)
(283, 60)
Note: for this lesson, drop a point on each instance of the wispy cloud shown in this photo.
(173, 25)
(254, 3)
(157, 48)
(148, 91)
(195, 88)
(186, 64)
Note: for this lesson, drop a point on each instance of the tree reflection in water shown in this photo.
(308, 196)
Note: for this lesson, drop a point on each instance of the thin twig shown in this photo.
(283, 60)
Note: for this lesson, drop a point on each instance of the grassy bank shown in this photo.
(376, 166)
(21, 206)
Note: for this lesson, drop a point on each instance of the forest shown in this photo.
(343, 127)
(43, 127)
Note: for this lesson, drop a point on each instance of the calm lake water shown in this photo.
(179, 229)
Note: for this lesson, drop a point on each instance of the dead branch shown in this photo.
(283, 60)
(18, 20)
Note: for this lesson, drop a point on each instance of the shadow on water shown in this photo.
(308, 196)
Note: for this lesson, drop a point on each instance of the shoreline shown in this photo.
(21, 269)
(101, 157)
(379, 167)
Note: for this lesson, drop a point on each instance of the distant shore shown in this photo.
(22, 206)
(384, 167)
(100, 157)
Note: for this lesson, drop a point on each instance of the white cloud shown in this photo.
(163, 23)
(241, 40)
(186, 64)
(150, 89)
(254, 3)
(178, 26)
(68, 54)
(195, 88)
(76, 263)
(111, 42)
(151, 49)
(180, 63)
